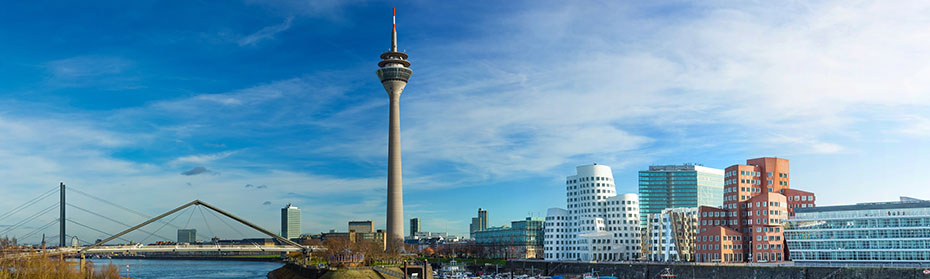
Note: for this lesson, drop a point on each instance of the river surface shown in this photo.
(176, 269)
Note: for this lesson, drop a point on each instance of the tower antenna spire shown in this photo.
(394, 29)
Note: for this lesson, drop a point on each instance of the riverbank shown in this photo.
(292, 271)
(258, 258)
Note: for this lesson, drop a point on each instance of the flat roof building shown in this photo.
(479, 223)
(522, 239)
(672, 186)
(187, 236)
(884, 232)
(414, 226)
(290, 222)
(361, 226)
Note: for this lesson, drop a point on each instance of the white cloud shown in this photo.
(266, 33)
(202, 158)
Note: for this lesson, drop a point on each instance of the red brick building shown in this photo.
(748, 227)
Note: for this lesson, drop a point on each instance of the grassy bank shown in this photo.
(48, 268)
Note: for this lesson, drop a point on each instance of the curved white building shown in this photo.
(598, 224)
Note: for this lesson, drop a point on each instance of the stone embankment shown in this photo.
(292, 271)
(656, 270)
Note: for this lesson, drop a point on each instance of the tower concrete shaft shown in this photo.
(394, 74)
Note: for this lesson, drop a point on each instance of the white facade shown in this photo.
(598, 224)
(671, 234)
(290, 222)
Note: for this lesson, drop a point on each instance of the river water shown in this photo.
(176, 269)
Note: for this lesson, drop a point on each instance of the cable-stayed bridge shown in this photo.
(166, 247)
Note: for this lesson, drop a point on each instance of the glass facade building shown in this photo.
(523, 239)
(675, 186)
(890, 232)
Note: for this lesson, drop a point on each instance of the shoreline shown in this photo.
(196, 258)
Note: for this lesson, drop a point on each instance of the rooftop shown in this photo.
(905, 202)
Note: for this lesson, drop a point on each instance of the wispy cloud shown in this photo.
(107, 72)
(202, 158)
(266, 33)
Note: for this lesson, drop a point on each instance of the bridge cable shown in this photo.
(26, 204)
(205, 222)
(111, 219)
(25, 236)
(116, 205)
(188, 224)
(163, 225)
(96, 230)
(30, 218)
(227, 224)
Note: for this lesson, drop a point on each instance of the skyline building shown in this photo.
(598, 224)
(672, 186)
(414, 226)
(479, 223)
(394, 73)
(366, 226)
(290, 222)
(522, 239)
(749, 225)
(882, 232)
(187, 235)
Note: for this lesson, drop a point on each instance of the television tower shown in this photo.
(394, 73)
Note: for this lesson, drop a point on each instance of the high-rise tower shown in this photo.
(394, 74)
(290, 222)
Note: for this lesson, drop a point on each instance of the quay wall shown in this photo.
(655, 270)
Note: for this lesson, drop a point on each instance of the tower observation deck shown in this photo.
(394, 72)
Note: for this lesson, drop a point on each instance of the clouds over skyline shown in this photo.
(500, 102)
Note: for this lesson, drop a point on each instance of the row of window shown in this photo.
(589, 178)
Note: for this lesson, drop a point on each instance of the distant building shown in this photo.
(362, 226)
(673, 186)
(433, 239)
(187, 236)
(883, 232)
(414, 226)
(479, 223)
(670, 235)
(598, 224)
(290, 222)
(353, 236)
(522, 239)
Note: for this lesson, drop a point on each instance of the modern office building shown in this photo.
(522, 239)
(394, 72)
(362, 226)
(290, 222)
(749, 225)
(414, 226)
(598, 224)
(883, 232)
(670, 235)
(672, 186)
(479, 223)
(187, 236)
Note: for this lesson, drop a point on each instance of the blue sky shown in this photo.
(251, 105)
